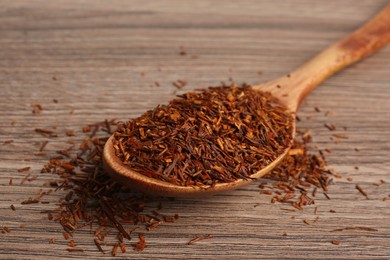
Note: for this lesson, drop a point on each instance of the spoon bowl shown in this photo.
(290, 89)
(139, 182)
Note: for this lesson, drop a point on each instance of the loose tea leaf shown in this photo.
(199, 238)
(360, 189)
(141, 244)
(335, 242)
(5, 230)
(214, 135)
(25, 169)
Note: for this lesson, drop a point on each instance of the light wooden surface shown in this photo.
(106, 57)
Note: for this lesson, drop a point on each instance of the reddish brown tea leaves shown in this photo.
(5, 230)
(179, 83)
(45, 132)
(74, 249)
(122, 247)
(141, 244)
(109, 213)
(93, 200)
(114, 250)
(25, 169)
(43, 145)
(37, 108)
(336, 242)
(29, 201)
(199, 238)
(360, 189)
(379, 183)
(71, 243)
(331, 127)
(97, 243)
(67, 166)
(326, 195)
(70, 133)
(215, 135)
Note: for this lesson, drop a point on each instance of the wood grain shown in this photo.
(106, 57)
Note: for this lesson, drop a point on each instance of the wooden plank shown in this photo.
(106, 57)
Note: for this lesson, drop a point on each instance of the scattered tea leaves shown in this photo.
(299, 175)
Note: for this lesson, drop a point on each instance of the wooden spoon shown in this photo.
(290, 89)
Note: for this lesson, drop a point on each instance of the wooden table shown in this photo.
(106, 58)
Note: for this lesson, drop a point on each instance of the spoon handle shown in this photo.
(361, 43)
